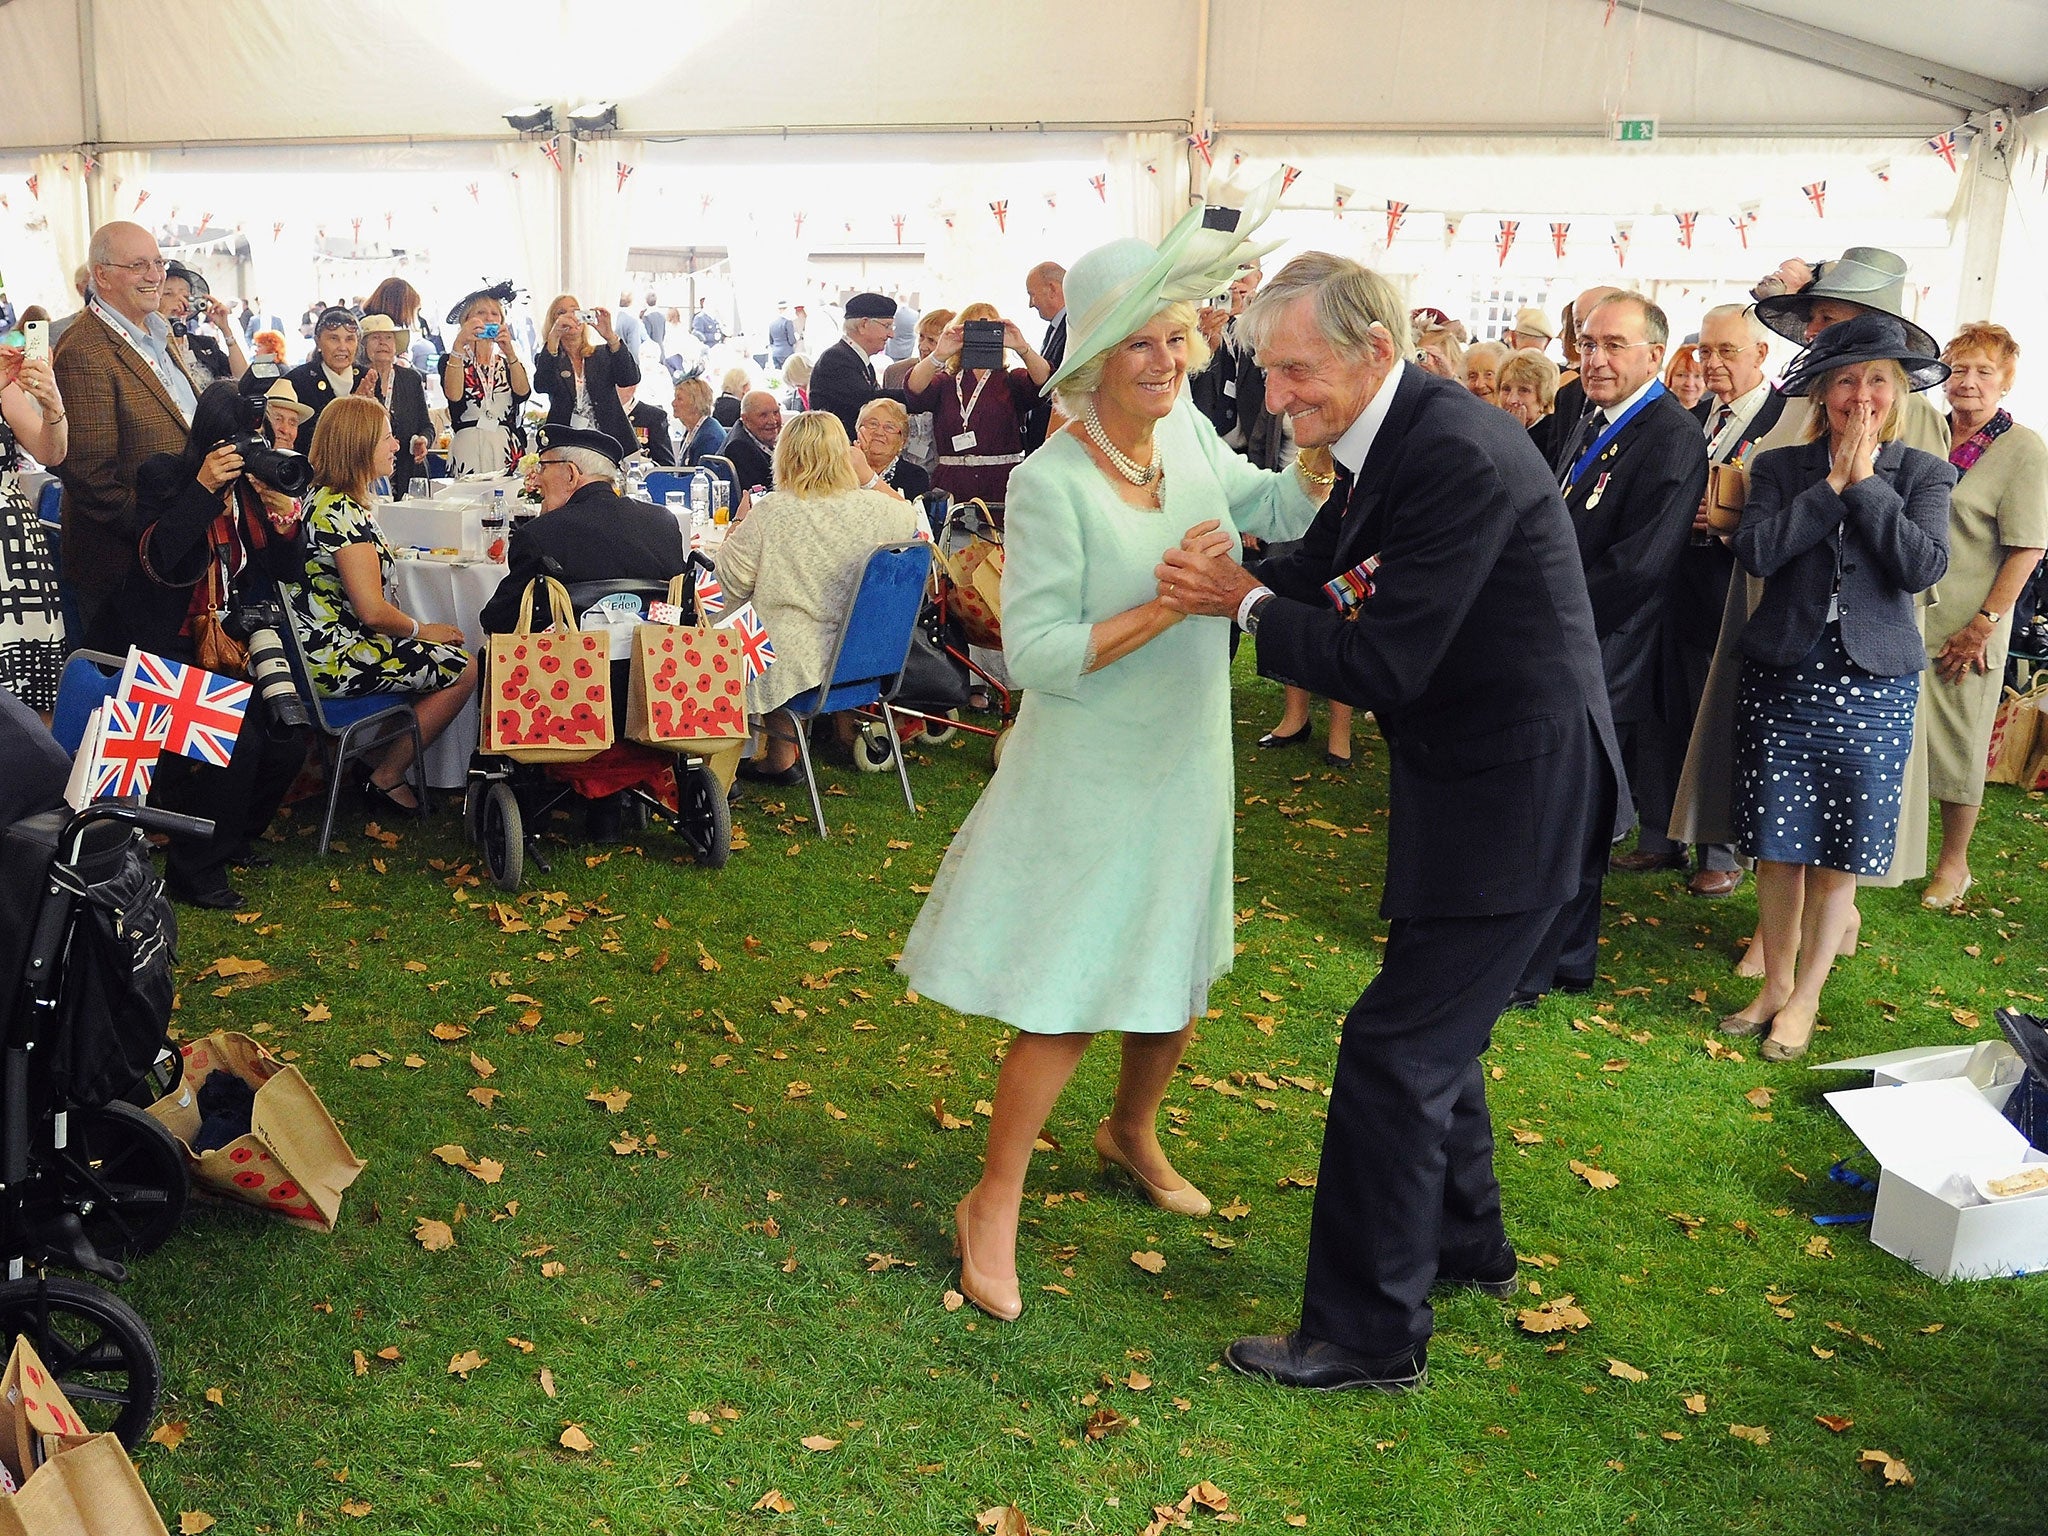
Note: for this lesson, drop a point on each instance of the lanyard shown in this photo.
(1613, 430)
(969, 402)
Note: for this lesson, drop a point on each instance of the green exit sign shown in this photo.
(1635, 130)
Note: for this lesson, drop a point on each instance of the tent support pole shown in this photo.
(89, 110)
(1988, 191)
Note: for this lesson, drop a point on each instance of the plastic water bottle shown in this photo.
(494, 528)
(700, 494)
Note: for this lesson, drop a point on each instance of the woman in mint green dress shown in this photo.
(1090, 889)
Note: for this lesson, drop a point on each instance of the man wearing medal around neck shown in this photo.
(1631, 483)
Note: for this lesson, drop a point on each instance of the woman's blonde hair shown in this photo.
(1994, 341)
(810, 456)
(980, 309)
(932, 322)
(345, 443)
(891, 411)
(735, 382)
(1076, 388)
(1525, 365)
(797, 370)
(697, 390)
(1817, 423)
(561, 302)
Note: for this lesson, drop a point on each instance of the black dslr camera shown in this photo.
(279, 468)
(256, 625)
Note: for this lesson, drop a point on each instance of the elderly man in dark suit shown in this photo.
(1471, 638)
(1740, 408)
(587, 530)
(127, 395)
(1632, 475)
(750, 448)
(1045, 286)
(844, 379)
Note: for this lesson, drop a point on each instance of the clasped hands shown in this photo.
(1855, 451)
(1200, 577)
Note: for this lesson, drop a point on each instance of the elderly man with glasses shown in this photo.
(587, 531)
(129, 394)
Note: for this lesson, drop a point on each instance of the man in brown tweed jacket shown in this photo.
(124, 380)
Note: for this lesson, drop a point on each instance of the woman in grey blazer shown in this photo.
(1844, 530)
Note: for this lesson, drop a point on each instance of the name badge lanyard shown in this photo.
(967, 404)
(1612, 431)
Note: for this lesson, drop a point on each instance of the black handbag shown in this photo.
(933, 680)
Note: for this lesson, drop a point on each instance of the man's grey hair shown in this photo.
(1348, 301)
(1754, 328)
(1656, 324)
(590, 464)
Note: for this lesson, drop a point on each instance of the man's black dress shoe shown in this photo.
(793, 774)
(1525, 1000)
(1497, 1273)
(1574, 984)
(218, 898)
(1642, 862)
(1316, 1365)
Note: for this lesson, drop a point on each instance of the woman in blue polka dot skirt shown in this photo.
(1844, 530)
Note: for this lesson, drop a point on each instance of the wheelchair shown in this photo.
(87, 1179)
(506, 804)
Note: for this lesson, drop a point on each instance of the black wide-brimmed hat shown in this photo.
(581, 437)
(1865, 339)
(1865, 276)
(504, 293)
(194, 279)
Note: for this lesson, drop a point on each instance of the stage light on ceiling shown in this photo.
(533, 119)
(594, 117)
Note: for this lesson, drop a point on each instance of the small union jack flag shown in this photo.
(899, 219)
(1001, 209)
(1817, 194)
(800, 225)
(1505, 240)
(1101, 185)
(756, 650)
(710, 595)
(36, 181)
(1558, 232)
(202, 711)
(127, 752)
(623, 171)
(1742, 223)
(551, 146)
(1397, 215)
(1288, 173)
(1687, 223)
(1340, 199)
(1944, 145)
(1204, 146)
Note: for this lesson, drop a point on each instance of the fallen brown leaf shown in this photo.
(1832, 1422)
(575, 1440)
(356, 1509)
(469, 1360)
(616, 1100)
(1555, 1315)
(1896, 1473)
(818, 1443)
(1626, 1371)
(1599, 1178)
(1150, 1262)
(1755, 1434)
(170, 1435)
(193, 1521)
(775, 1502)
(1003, 1520)
(434, 1235)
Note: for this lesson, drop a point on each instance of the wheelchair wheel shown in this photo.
(934, 735)
(95, 1345)
(871, 751)
(124, 1175)
(705, 820)
(503, 837)
(1002, 738)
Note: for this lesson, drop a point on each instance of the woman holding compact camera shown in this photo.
(215, 542)
(485, 384)
(580, 378)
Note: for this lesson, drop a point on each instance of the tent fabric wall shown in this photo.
(60, 189)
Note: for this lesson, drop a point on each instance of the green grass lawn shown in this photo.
(768, 1257)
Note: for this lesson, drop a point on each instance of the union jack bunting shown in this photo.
(1397, 215)
(1505, 240)
(623, 170)
(1287, 176)
(127, 753)
(756, 651)
(1203, 145)
(1817, 194)
(1742, 222)
(1687, 223)
(202, 711)
(1001, 209)
(1558, 232)
(1101, 185)
(552, 148)
(1340, 197)
(1944, 145)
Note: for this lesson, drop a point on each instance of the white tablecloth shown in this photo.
(440, 592)
(438, 522)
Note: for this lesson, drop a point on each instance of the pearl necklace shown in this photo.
(1123, 463)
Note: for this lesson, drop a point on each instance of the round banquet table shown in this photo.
(448, 592)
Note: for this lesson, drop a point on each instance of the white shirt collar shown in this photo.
(1617, 411)
(1350, 449)
(1743, 408)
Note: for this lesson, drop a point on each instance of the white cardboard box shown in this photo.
(1930, 1138)
(1992, 1065)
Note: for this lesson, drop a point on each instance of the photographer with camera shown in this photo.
(485, 384)
(580, 377)
(357, 641)
(219, 530)
(189, 305)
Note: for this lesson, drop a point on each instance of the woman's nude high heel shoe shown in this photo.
(1185, 1201)
(974, 1285)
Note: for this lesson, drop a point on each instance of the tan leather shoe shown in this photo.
(1714, 883)
(1004, 1305)
(1184, 1201)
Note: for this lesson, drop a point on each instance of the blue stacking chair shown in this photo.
(50, 513)
(661, 481)
(88, 680)
(352, 729)
(867, 662)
